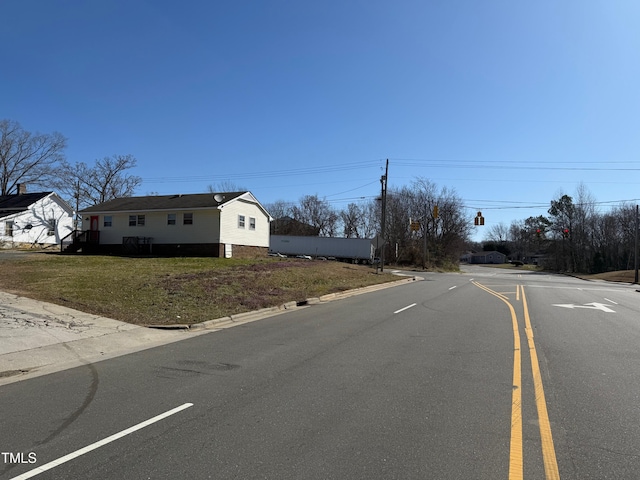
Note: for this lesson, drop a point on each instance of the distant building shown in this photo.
(34, 218)
(487, 257)
(290, 226)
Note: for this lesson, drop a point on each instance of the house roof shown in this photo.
(10, 204)
(165, 202)
(484, 254)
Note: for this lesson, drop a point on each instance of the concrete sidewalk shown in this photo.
(38, 338)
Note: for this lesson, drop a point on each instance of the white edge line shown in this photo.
(98, 444)
(453, 287)
(405, 308)
(611, 301)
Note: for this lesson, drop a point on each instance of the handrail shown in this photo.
(64, 243)
(80, 237)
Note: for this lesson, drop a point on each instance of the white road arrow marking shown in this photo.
(590, 306)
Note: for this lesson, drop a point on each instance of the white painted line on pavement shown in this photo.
(93, 446)
(405, 308)
(453, 287)
(591, 306)
(611, 301)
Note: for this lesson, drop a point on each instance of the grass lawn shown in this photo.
(625, 276)
(175, 290)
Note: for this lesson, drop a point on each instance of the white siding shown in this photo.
(203, 230)
(38, 222)
(233, 234)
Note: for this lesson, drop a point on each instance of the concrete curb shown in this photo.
(68, 338)
(289, 306)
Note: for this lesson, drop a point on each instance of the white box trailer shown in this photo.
(357, 250)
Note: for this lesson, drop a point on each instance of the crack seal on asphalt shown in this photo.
(11, 373)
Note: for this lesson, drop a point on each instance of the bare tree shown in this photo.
(563, 217)
(498, 233)
(454, 225)
(279, 209)
(225, 186)
(27, 157)
(316, 212)
(370, 219)
(583, 229)
(107, 179)
(354, 221)
(441, 237)
(70, 184)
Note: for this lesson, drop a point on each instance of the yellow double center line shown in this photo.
(516, 470)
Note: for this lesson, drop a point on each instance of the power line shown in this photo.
(517, 167)
(541, 205)
(351, 190)
(316, 170)
(581, 162)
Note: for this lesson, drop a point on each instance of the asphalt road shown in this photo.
(473, 376)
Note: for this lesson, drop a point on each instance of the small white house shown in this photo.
(34, 218)
(220, 225)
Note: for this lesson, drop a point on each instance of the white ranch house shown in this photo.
(224, 224)
(34, 218)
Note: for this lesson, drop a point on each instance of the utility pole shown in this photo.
(636, 248)
(424, 250)
(383, 199)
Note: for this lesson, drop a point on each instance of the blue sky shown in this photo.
(509, 103)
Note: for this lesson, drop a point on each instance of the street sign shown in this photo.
(377, 241)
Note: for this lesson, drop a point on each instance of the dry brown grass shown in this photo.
(175, 290)
(624, 276)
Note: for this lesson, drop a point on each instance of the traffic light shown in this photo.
(565, 233)
(538, 233)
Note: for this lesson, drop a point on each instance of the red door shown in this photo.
(94, 227)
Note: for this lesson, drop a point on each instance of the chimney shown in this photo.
(21, 188)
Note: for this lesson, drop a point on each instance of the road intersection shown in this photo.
(409, 382)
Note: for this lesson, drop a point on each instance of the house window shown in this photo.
(52, 227)
(187, 219)
(240, 221)
(136, 220)
(171, 219)
(107, 221)
(8, 228)
(252, 223)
